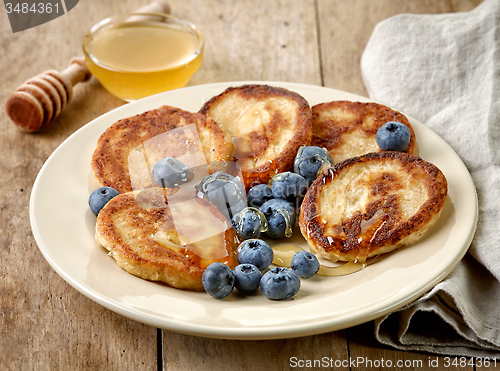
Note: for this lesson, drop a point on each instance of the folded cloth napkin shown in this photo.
(444, 71)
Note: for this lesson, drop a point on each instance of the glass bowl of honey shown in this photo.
(140, 54)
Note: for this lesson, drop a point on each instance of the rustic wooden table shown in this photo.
(45, 323)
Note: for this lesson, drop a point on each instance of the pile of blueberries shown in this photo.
(270, 209)
(254, 257)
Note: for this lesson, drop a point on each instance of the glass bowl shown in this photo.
(140, 54)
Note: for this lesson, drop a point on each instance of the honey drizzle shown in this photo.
(283, 255)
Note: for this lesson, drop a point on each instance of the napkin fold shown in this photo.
(444, 70)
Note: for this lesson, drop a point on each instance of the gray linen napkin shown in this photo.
(444, 71)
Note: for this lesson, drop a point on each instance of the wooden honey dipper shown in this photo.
(41, 99)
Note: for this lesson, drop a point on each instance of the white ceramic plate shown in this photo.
(63, 227)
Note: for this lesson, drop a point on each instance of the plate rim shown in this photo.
(254, 333)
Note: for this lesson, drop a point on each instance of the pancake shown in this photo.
(163, 235)
(370, 205)
(127, 151)
(348, 129)
(267, 126)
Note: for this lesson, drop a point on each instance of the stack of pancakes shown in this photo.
(364, 205)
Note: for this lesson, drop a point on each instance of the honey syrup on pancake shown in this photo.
(371, 204)
(202, 240)
(190, 226)
(360, 230)
(266, 124)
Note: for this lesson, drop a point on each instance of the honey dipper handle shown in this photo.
(77, 71)
(155, 6)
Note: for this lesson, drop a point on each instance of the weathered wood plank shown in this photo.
(183, 352)
(45, 323)
(255, 40)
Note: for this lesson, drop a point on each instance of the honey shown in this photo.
(134, 56)
(283, 255)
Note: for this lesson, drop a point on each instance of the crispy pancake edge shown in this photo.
(328, 134)
(109, 159)
(406, 233)
(178, 269)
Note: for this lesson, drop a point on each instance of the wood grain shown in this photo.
(45, 323)
(214, 354)
(256, 40)
(346, 26)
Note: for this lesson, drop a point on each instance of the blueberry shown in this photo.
(393, 136)
(310, 160)
(100, 197)
(259, 194)
(305, 264)
(170, 172)
(256, 252)
(249, 223)
(280, 283)
(246, 277)
(289, 186)
(218, 280)
(224, 191)
(280, 215)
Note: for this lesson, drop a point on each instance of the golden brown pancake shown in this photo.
(163, 235)
(127, 151)
(267, 125)
(348, 129)
(370, 205)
